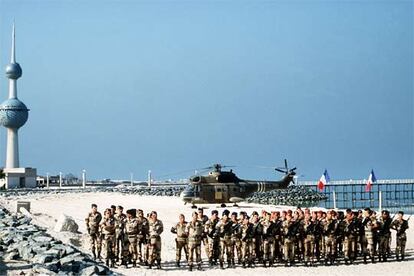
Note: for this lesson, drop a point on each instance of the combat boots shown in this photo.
(177, 264)
(199, 267)
(190, 268)
(158, 264)
(221, 265)
(94, 255)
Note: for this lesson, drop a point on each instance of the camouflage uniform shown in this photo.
(268, 241)
(236, 241)
(213, 240)
(400, 226)
(120, 243)
(142, 239)
(204, 238)
(224, 229)
(309, 241)
(180, 241)
(289, 231)
(247, 243)
(131, 231)
(329, 230)
(92, 225)
(108, 236)
(257, 240)
(350, 245)
(384, 237)
(277, 254)
(367, 243)
(155, 229)
(194, 231)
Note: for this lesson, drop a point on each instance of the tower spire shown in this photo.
(13, 48)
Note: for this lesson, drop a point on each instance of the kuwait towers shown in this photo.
(13, 115)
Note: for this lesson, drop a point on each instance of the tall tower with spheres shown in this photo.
(13, 115)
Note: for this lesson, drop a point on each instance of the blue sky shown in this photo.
(125, 86)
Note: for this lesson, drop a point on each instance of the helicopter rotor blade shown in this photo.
(279, 170)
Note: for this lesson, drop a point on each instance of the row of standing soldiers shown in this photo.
(287, 237)
(269, 238)
(128, 238)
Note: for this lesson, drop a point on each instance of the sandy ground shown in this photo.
(47, 209)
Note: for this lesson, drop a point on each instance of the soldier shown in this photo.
(340, 234)
(247, 235)
(203, 218)
(350, 233)
(367, 243)
(155, 229)
(400, 225)
(194, 232)
(257, 238)
(213, 237)
(119, 248)
(142, 237)
(384, 235)
(269, 231)
(277, 255)
(329, 230)
(289, 231)
(224, 229)
(236, 238)
(131, 231)
(309, 241)
(92, 225)
(108, 235)
(181, 240)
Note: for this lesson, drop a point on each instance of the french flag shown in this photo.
(323, 180)
(371, 180)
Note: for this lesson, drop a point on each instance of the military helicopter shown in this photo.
(225, 187)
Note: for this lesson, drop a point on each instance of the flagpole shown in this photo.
(334, 198)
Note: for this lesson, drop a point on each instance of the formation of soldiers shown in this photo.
(271, 238)
(128, 238)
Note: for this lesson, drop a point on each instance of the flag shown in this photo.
(323, 180)
(371, 180)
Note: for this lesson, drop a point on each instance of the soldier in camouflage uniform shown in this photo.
(384, 235)
(236, 238)
(269, 232)
(351, 234)
(108, 237)
(92, 225)
(131, 231)
(119, 248)
(203, 218)
(277, 221)
(329, 231)
(247, 234)
(224, 229)
(194, 232)
(289, 232)
(142, 237)
(257, 237)
(181, 240)
(309, 241)
(367, 243)
(400, 225)
(340, 234)
(155, 229)
(213, 237)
